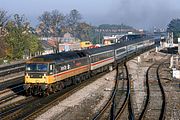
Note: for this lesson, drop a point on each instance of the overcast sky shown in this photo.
(137, 13)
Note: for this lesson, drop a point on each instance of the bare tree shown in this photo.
(51, 23)
(3, 18)
(72, 19)
(20, 21)
(45, 19)
(57, 20)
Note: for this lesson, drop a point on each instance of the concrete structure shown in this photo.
(174, 64)
(170, 40)
(176, 73)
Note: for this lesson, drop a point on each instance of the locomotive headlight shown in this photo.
(27, 75)
(44, 76)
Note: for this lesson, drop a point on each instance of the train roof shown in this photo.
(70, 55)
(125, 43)
(98, 50)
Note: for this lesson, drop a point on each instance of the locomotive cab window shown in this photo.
(41, 67)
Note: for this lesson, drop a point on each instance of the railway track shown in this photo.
(10, 93)
(116, 105)
(33, 108)
(12, 68)
(126, 108)
(12, 99)
(155, 104)
(13, 81)
(11, 74)
(172, 88)
(14, 107)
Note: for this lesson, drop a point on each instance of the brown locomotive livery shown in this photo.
(50, 73)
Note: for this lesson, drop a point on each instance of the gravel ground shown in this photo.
(172, 89)
(84, 103)
(137, 85)
(138, 69)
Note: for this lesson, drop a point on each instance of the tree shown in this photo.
(2, 47)
(72, 20)
(3, 21)
(14, 41)
(83, 31)
(19, 39)
(45, 23)
(74, 17)
(57, 20)
(174, 26)
(3, 18)
(51, 23)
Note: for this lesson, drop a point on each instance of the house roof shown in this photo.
(46, 45)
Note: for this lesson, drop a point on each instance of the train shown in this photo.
(50, 73)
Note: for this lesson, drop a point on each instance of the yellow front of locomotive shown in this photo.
(38, 79)
(38, 76)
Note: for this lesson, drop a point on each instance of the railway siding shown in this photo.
(170, 85)
(11, 74)
(172, 88)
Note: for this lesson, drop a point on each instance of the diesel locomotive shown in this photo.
(49, 73)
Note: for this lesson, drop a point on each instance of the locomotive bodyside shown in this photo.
(55, 71)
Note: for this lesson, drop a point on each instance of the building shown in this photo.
(48, 49)
(68, 38)
(69, 46)
(59, 44)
